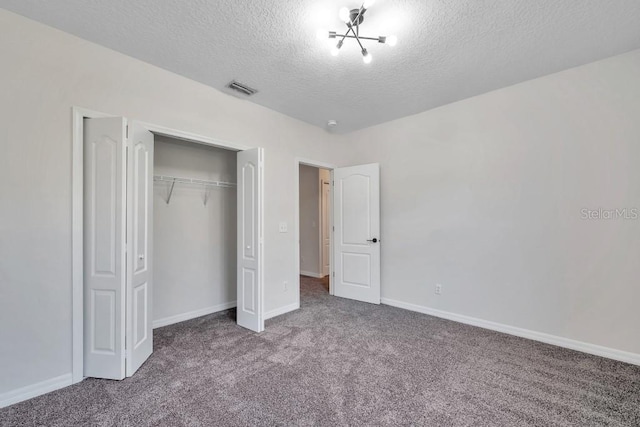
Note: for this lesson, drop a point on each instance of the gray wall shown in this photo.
(485, 197)
(194, 244)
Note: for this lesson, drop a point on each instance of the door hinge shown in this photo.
(127, 131)
(334, 228)
(333, 274)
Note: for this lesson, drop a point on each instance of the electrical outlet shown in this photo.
(438, 289)
(286, 285)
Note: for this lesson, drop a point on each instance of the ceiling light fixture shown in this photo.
(353, 19)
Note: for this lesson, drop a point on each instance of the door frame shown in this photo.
(322, 213)
(78, 115)
(296, 193)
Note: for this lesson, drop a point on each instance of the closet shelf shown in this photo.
(179, 180)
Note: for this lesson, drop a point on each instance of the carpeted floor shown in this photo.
(340, 362)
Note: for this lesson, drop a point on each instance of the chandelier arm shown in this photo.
(360, 37)
(358, 40)
(357, 21)
(360, 13)
(345, 34)
(350, 26)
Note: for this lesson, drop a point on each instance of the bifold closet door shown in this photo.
(104, 247)
(139, 329)
(118, 179)
(250, 241)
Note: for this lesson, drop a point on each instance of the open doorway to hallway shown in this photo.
(315, 223)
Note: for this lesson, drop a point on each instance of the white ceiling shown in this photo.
(447, 50)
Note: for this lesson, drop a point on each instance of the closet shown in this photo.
(194, 230)
(171, 229)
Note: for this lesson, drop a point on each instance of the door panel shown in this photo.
(104, 243)
(357, 223)
(103, 320)
(356, 269)
(139, 259)
(140, 323)
(248, 292)
(250, 240)
(356, 209)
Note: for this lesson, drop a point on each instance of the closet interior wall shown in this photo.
(194, 235)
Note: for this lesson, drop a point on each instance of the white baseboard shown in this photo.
(34, 390)
(192, 314)
(310, 274)
(597, 350)
(281, 310)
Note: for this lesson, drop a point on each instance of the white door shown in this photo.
(326, 226)
(139, 246)
(104, 247)
(357, 232)
(250, 239)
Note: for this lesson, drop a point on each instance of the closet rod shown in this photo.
(180, 180)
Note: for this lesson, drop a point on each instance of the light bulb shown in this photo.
(392, 40)
(335, 51)
(366, 56)
(345, 15)
(368, 3)
(322, 34)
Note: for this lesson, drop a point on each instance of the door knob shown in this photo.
(374, 240)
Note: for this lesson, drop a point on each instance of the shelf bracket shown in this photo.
(171, 190)
(206, 195)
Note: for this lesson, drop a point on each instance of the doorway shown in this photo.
(354, 230)
(314, 224)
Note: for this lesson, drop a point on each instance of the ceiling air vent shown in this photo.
(242, 88)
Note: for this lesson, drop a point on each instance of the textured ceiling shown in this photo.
(447, 50)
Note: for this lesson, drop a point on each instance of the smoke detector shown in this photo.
(332, 123)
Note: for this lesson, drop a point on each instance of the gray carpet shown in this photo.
(340, 362)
